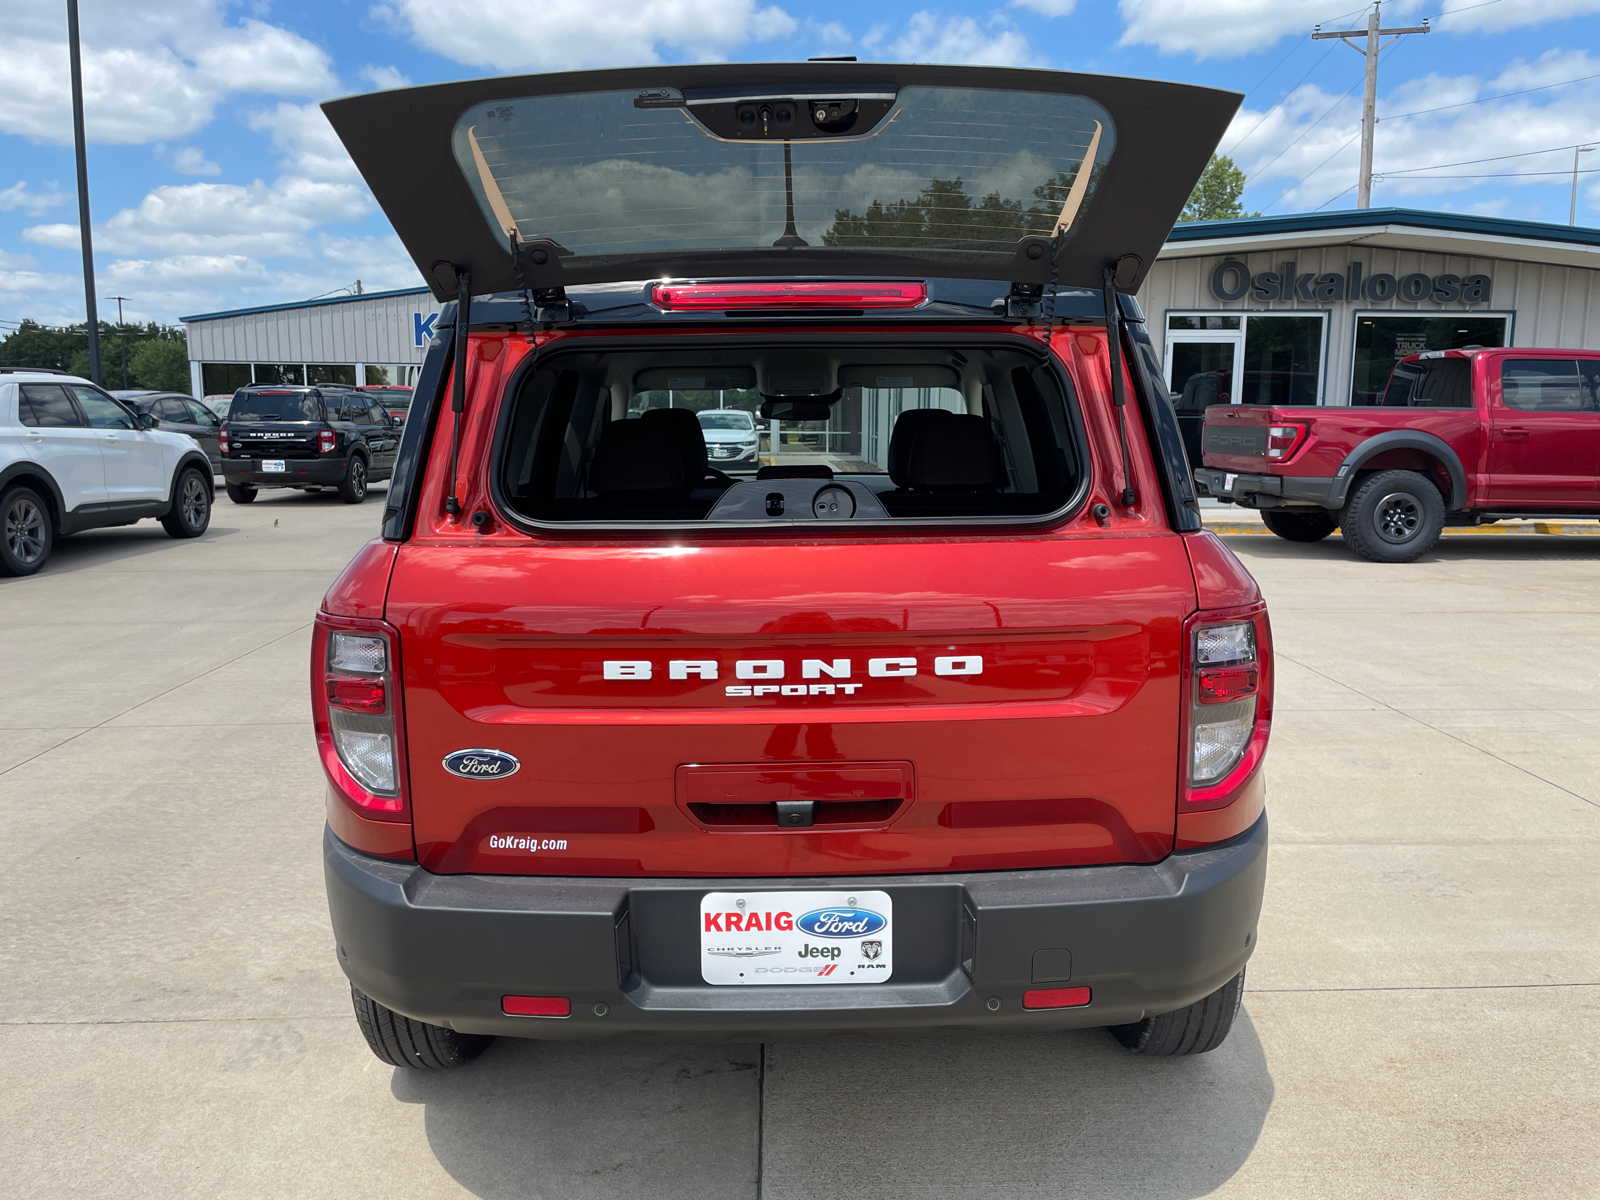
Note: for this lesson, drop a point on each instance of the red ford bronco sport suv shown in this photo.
(942, 712)
(1459, 437)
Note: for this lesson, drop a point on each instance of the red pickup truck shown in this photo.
(1460, 437)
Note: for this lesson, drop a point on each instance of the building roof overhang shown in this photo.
(1390, 228)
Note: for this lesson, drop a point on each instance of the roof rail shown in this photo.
(32, 371)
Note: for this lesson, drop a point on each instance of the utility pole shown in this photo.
(92, 312)
(1369, 106)
(122, 334)
(1572, 214)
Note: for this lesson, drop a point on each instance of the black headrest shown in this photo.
(954, 456)
(691, 439)
(637, 456)
(906, 427)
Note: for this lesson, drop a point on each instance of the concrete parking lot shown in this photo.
(1423, 1015)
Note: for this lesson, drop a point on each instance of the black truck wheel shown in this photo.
(1393, 517)
(1310, 525)
(1201, 1027)
(402, 1042)
(191, 506)
(239, 493)
(354, 488)
(26, 534)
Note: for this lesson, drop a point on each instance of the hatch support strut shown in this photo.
(1114, 352)
(458, 391)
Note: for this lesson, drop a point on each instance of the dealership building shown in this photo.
(1313, 308)
(1316, 308)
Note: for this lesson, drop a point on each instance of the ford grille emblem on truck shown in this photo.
(481, 764)
(840, 922)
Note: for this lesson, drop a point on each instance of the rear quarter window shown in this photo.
(1549, 384)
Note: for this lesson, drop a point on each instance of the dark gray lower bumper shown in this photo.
(446, 948)
(1267, 491)
(297, 472)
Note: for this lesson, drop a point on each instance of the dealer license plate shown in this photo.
(841, 936)
(269, 465)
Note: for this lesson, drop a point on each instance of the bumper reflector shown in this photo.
(1075, 997)
(536, 1006)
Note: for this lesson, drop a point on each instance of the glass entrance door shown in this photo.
(1201, 371)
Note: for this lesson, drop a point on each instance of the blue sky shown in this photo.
(216, 181)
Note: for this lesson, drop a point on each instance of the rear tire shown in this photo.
(239, 493)
(1196, 1029)
(402, 1042)
(354, 488)
(191, 506)
(1299, 526)
(26, 533)
(1393, 517)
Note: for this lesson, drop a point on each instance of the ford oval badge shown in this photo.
(481, 764)
(841, 922)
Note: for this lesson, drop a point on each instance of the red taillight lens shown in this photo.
(1228, 703)
(1073, 997)
(358, 695)
(701, 297)
(326, 440)
(536, 1006)
(1284, 440)
(1224, 685)
(222, 441)
(357, 714)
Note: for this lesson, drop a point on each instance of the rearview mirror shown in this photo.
(795, 410)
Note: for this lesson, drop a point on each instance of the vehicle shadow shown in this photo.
(621, 1119)
(1070, 1114)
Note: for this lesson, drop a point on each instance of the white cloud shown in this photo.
(1314, 161)
(1047, 8)
(1232, 28)
(151, 73)
(307, 142)
(17, 262)
(187, 160)
(932, 37)
(20, 196)
(569, 34)
(384, 78)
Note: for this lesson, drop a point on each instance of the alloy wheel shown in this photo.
(25, 531)
(193, 502)
(1398, 517)
(358, 477)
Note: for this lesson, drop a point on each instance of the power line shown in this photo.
(1485, 100)
(1472, 162)
(1334, 197)
(1298, 82)
(1508, 175)
(1314, 170)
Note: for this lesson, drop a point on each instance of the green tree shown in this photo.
(1216, 196)
(161, 365)
(67, 349)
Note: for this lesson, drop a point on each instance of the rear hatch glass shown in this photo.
(791, 434)
(284, 406)
(842, 170)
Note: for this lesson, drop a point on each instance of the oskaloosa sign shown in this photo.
(1232, 281)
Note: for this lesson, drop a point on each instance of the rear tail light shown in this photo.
(222, 441)
(357, 714)
(327, 440)
(701, 297)
(1284, 440)
(1229, 703)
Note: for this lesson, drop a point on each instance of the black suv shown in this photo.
(307, 438)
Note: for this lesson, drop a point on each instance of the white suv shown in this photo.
(72, 458)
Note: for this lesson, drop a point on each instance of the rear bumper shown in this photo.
(1145, 939)
(1265, 491)
(297, 472)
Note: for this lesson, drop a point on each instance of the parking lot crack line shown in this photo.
(1444, 732)
(157, 696)
(1424, 987)
(761, 1116)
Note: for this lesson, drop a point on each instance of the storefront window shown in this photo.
(1281, 360)
(1383, 340)
(290, 373)
(223, 379)
(392, 374)
(331, 373)
(1224, 358)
